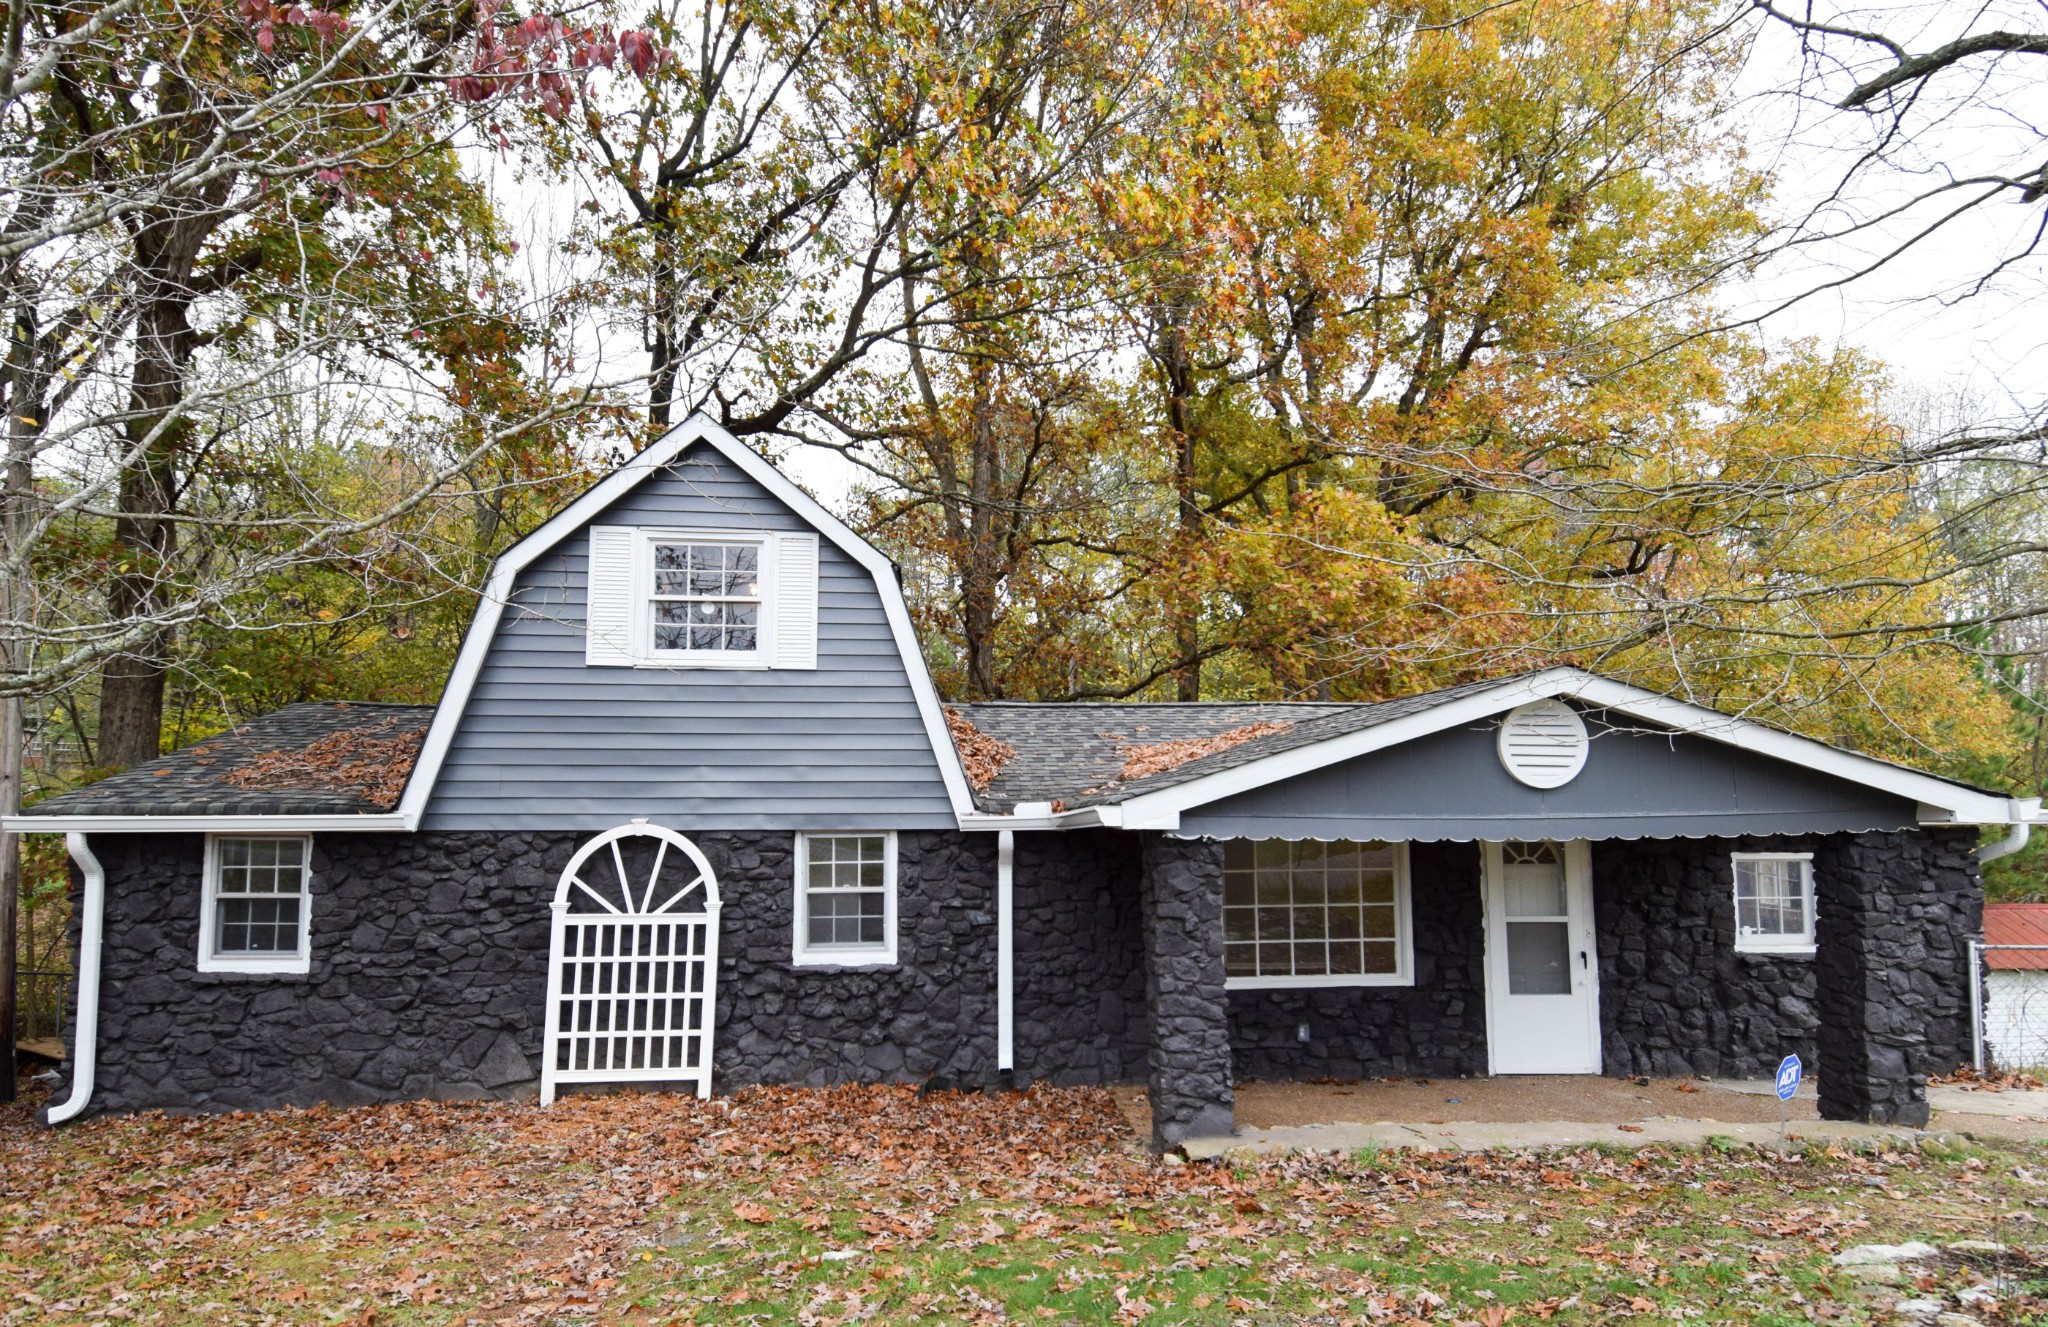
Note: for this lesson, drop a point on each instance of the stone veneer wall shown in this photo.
(1675, 997)
(1181, 898)
(1080, 958)
(429, 971)
(1437, 1027)
(1897, 911)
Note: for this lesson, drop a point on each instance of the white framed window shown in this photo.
(662, 598)
(1315, 914)
(256, 910)
(845, 900)
(1774, 902)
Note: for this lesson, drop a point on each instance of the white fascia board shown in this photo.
(375, 822)
(1958, 805)
(1941, 802)
(476, 644)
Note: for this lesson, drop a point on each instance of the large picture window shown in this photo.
(1315, 913)
(1774, 902)
(845, 900)
(257, 906)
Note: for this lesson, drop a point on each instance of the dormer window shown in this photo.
(685, 599)
(706, 598)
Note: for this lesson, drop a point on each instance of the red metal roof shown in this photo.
(2016, 924)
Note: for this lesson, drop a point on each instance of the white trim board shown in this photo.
(1940, 801)
(505, 571)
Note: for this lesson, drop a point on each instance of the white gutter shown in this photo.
(86, 1030)
(1006, 952)
(2007, 846)
(343, 823)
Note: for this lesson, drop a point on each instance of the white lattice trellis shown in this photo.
(633, 963)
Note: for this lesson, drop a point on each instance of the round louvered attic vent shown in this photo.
(1543, 743)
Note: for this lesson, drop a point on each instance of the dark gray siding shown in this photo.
(546, 742)
(1636, 784)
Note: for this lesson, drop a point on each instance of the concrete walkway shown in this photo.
(1943, 1098)
(1480, 1137)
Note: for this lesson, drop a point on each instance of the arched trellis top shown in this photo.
(638, 887)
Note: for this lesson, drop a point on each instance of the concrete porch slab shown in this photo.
(1478, 1136)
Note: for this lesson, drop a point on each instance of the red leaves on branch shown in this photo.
(372, 761)
(268, 18)
(543, 59)
(984, 756)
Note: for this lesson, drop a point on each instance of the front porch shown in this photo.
(1627, 964)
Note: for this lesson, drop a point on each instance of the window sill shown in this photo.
(752, 663)
(1776, 951)
(856, 958)
(1316, 983)
(230, 976)
(278, 967)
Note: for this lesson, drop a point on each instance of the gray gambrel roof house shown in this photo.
(691, 812)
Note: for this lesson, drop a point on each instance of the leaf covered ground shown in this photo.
(868, 1204)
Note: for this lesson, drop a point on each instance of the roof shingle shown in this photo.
(194, 781)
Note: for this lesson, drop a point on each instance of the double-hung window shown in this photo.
(1774, 902)
(256, 911)
(845, 900)
(697, 599)
(1315, 914)
(706, 598)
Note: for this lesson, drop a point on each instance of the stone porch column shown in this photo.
(1896, 911)
(1181, 889)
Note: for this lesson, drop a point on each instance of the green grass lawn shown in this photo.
(865, 1204)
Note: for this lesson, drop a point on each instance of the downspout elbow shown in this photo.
(2007, 846)
(86, 1028)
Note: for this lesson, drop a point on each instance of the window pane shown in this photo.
(846, 901)
(708, 597)
(1771, 899)
(1539, 958)
(257, 926)
(1310, 908)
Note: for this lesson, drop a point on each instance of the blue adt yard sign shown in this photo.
(1788, 1077)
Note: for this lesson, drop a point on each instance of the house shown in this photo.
(2016, 985)
(691, 812)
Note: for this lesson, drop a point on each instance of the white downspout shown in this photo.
(2008, 845)
(1006, 952)
(86, 1030)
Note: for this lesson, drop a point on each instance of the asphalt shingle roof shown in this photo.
(1075, 753)
(192, 782)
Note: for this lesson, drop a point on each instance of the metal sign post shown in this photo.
(1789, 1073)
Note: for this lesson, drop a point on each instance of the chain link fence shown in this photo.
(2012, 1008)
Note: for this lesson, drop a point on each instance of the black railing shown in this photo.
(42, 1000)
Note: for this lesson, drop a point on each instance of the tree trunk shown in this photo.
(981, 571)
(661, 346)
(1187, 609)
(132, 683)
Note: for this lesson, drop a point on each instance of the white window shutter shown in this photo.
(796, 601)
(608, 638)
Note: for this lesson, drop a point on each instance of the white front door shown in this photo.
(1542, 969)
